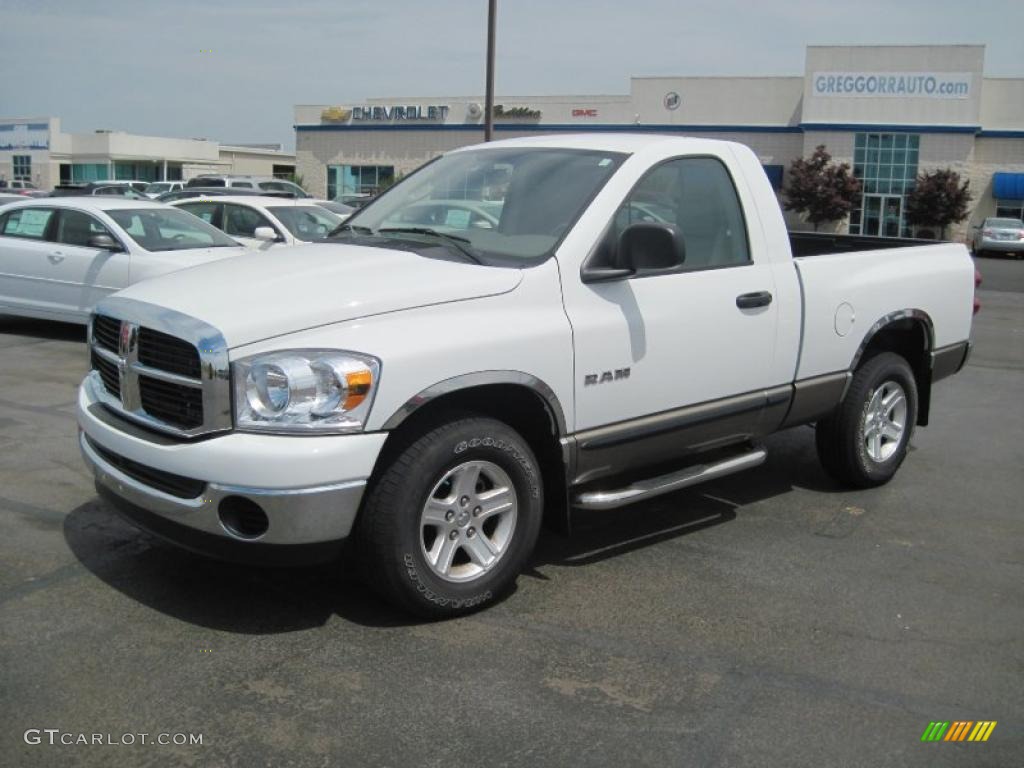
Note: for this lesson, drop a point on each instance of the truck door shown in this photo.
(681, 359)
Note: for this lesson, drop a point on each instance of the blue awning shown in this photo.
(1008, 186)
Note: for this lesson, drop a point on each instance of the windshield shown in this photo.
(306, 222)
(153, 189)
(512, 203)
(1005, 223)
(158, 229)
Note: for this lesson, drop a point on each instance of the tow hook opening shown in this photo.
(242, 517)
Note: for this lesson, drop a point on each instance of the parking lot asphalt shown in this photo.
(768, 619)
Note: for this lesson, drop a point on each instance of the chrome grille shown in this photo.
(179, 405)
(163, 351)
(106, 331)
(108, 373)
(160, 368)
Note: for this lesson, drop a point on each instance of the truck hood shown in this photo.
(262, 294)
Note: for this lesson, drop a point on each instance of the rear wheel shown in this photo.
(452, 519)
(865, 440)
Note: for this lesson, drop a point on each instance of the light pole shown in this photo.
(492, 13)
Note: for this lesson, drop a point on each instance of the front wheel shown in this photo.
(452, 519)
(866, 438)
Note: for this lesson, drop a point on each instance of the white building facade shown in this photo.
(891, 112)
(37, 150)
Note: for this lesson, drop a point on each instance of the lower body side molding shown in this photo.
(673, 481)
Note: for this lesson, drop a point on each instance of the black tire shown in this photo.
(840, 438)
(390, 538)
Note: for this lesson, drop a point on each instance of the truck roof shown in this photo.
(608, 142)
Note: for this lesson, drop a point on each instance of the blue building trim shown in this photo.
(557, 128)
(983, 134)
(882, 128)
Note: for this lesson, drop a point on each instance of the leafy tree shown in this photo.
(938, 200)
(820, 189)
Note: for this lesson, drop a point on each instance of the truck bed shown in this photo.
(822, 243)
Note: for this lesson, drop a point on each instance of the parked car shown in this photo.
(136, 184)
(355, 200)
(433, 393)
(260, 183)
(58, 257)
(264, 222)
(157, 188)
(999, 235)
(339, 209)
(189, 193)
(20, 187)
(98, 188)
(457, 214)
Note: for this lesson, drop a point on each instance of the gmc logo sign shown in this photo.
(584, 113)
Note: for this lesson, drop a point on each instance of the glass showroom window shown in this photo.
(89, 172)
(357, 179)
(22, 167)
(886, 164)
(1010, 209)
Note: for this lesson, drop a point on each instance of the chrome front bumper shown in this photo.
(309, 488)
(296, 515)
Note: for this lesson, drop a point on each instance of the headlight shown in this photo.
(304, 390)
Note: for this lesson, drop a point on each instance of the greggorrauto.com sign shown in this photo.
(926, 85)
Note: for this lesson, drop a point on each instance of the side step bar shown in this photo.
(656, 486)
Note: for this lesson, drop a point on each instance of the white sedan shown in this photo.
(264, 222)
(59, 256)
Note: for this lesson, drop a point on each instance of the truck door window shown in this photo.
(696, 195)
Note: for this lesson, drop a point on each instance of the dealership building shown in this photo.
(891, 112)
(37, 150)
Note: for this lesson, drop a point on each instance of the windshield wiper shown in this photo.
(461, 244)
(346, 227)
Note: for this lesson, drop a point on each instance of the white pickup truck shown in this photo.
(516, 330)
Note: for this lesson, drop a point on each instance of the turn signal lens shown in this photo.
(359, 384)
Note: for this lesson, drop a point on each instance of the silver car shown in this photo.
(997, 235)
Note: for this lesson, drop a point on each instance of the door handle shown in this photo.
(56, 257)
(754, 300)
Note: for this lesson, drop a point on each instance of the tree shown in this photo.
(819, 189)
(938, 200)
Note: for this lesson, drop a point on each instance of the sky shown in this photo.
(232, 70)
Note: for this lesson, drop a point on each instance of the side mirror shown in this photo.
(104, 242)
(646, 246)
(642, 247)
(265, 233)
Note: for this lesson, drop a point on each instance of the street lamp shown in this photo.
(492, 13)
